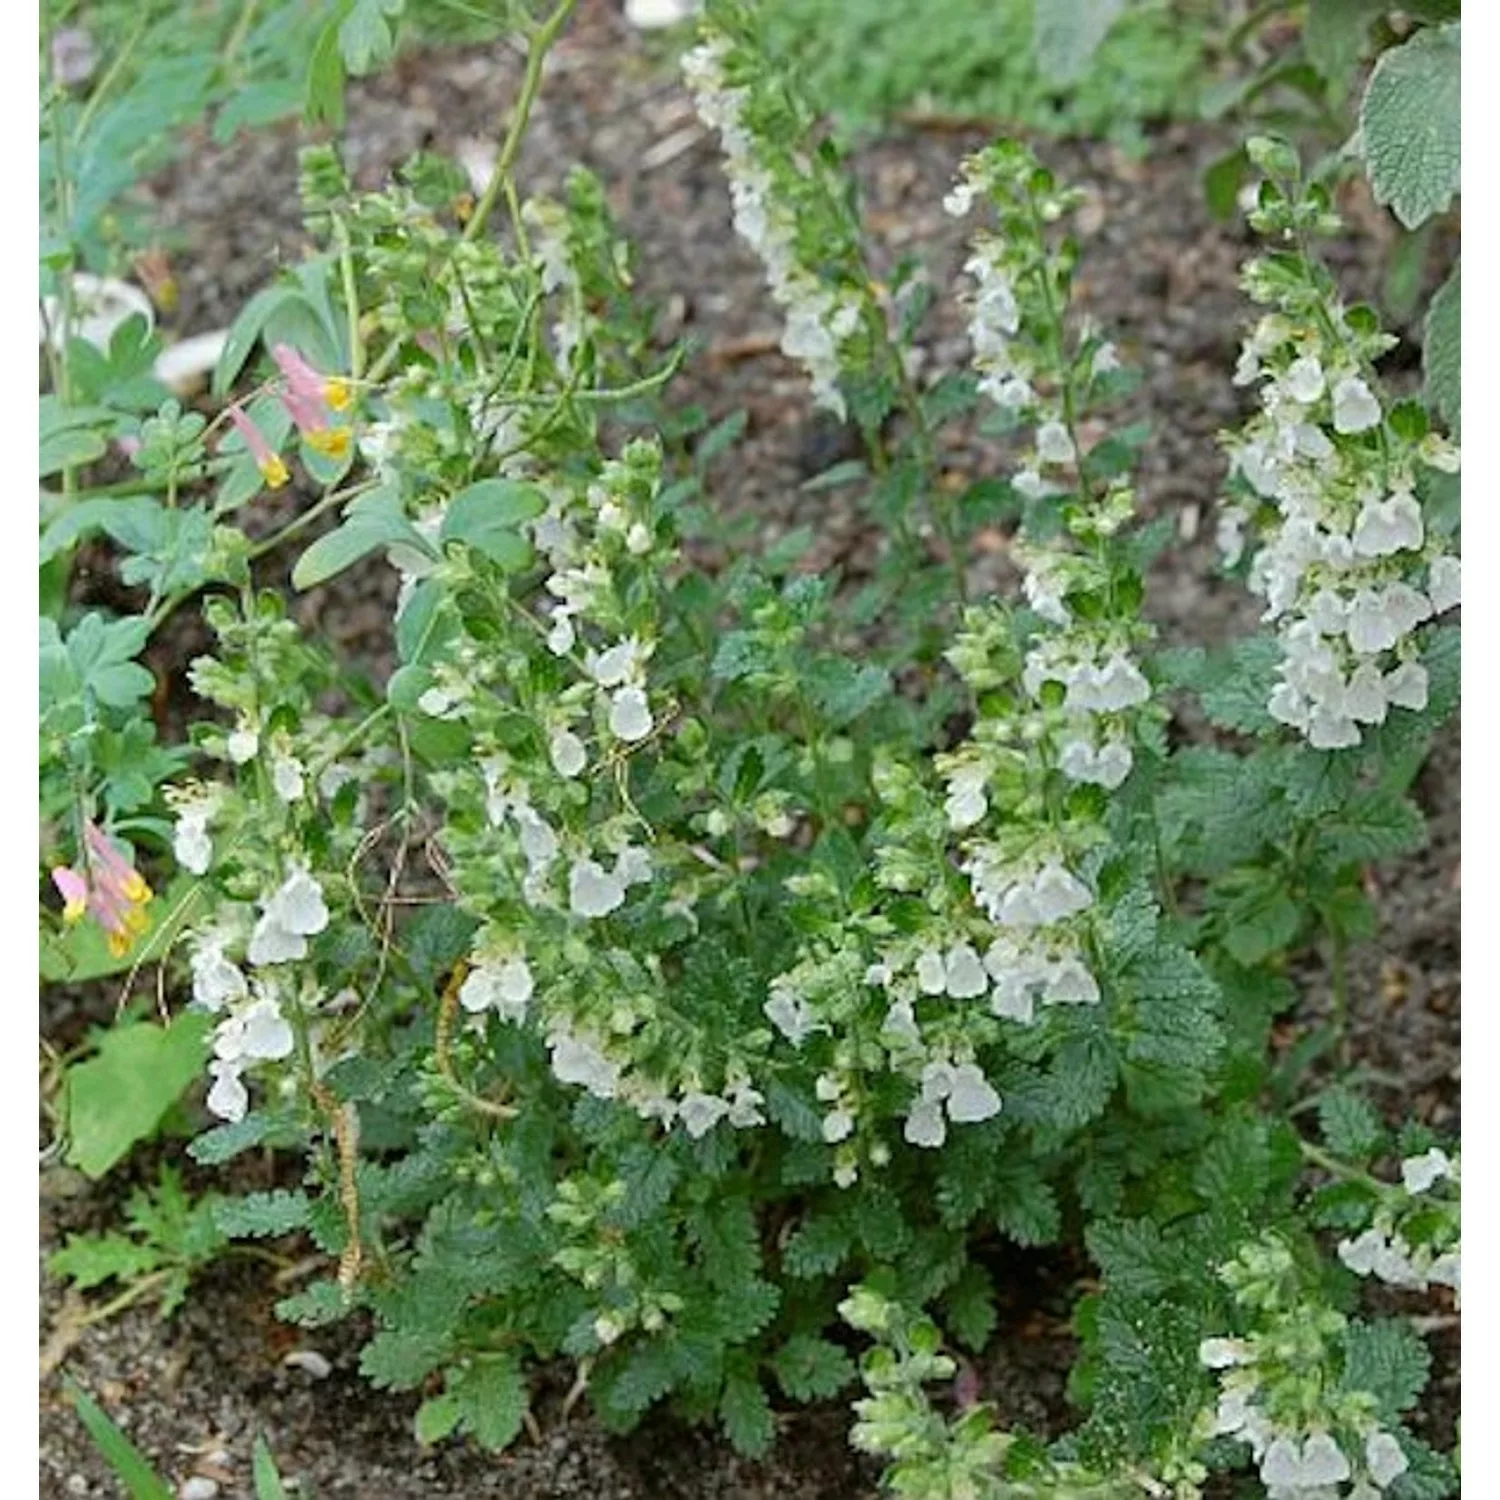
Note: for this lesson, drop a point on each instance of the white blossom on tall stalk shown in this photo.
(1413, 1240)
(820, 318)
(1347, 562)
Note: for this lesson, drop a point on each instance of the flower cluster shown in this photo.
(1413, 1242)
(108, 888)
(1348, 564)
(315, 403)
(1308, 1434)
(254, 1027)
(821, 316)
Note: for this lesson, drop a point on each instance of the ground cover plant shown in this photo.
(688, 975)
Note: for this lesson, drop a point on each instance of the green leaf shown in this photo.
(262, 1215)
(366, 37)
(245, 331)
(492, 1399)
(1335, 36)
(1441, 361)
(268, 1485)
(323, 96)
(485, 516)
(1351, 1128)
(1388, 1360)
(842, 689)
(224, 1142)
(128, 1462)
(374, 520)
(1409, 124)
(969, 1307)
(437, 1417)
(122, 1095)
(1067, 33)
(810, 1368)
(88, 1260)
(746, 1414)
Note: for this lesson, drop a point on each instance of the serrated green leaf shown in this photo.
(1335, 35)
(262, 1215)
(817, 1246)
(1409, 124)
(1351, 1128)
(366, 36)
(397, 1359)
(437, 1417)
(746, 1414)
(969, 1308)
(810, 1368)
(1441, 353)
(89, 1260)
(1388, 1360)
(491, 1394)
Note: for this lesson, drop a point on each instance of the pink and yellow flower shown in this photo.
(310, 397)
(110, 889)
(272, 466)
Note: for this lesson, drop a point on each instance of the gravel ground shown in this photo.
(1158, 272)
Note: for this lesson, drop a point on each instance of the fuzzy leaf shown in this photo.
(262, 1215)
(1388, 1360)
(1409, 123)
(1350, 1127)
(969, 1308)
(491, 1395)
(88, 1260)
(1441, 344)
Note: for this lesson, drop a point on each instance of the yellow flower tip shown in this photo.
(339, 393)
(73, 911)
(135, 887)
(119, 944)
(274, 471)
(332, 442)
(136, 922)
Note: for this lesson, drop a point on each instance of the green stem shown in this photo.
(1339, 979)
(536, 54)
(237, 36)
(351, 299)
(1331, 1164)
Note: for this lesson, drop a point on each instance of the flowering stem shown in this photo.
(536, 54)
(1331, 1164)
(351, 298)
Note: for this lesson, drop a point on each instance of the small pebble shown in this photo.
(198, 1488)
(76, 1484)
(310, 1360)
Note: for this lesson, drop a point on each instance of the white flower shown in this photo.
(1419, 1173)
(789, 1013)
(243, 745)
(1119, 684)
(578, 1061)
(435, 702)
(561, 638)
(1323, 1461)
(608, 1326)
(744, 1105)
(964, 975)
(1058, 894)
(505, 988)
(1387, 526)
(971, 1097)
(959, 200)
(1377, 620)
(1384, 1458)
(1220, 1354)
(228, 1098)
(1106, 359)
(1354, 408)
(216, 981)
(924, 1124)
(271, 943)
(1327, 730)
(838, 1125)
(191, 845)
(1406, 687)
(1281, 1466)
(567, 753)
(630, 714)
(966, 803)
(1360, 1254)
(287, 778)
(259, 1032)
(932, 977)
(594, 891)
(538, 842)
(1303, 380)
(612, 668)
(701, 1112)
(633, 866)
(1053, 445)
(1070, 983)
(1443, 575)
(295, 913)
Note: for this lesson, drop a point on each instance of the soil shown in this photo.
(1161, 274)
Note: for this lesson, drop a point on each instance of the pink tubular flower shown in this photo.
(113, 892)
(267, 459)
(309, 397)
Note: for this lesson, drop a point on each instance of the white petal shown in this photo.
(1384, 1458)
(972, 1098)
(965, 974)
(228, 1098)
(567, 752)
(594, 891)
(924, 1125)
(630, 714)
